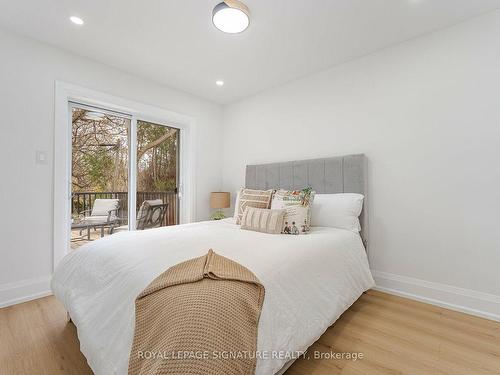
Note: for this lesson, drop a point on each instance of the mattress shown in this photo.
(310, 280)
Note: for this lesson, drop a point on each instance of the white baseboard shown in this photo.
(464, 300)
(24, 290)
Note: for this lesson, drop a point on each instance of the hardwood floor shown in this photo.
(394, 335)
(36, 338)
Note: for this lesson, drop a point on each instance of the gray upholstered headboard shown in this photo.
(341, 174)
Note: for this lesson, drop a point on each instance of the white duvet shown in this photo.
(310, 280)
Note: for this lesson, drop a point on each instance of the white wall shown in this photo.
(28, 70)
(427, 115)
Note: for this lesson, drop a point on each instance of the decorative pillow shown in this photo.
(337, 211)
(297, 204)
(252, 198)
(263, 220)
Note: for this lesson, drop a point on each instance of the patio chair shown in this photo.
(150, 215)
(104, 212)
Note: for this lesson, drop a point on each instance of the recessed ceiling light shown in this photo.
(219, 83)
(231, 16)
(76, 20)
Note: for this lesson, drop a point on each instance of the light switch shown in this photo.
(41, 157)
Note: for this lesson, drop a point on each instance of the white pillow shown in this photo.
(236, 204)
(337, 211)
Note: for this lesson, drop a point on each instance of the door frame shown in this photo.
(66, 93)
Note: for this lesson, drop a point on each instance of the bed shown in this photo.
(310, 280)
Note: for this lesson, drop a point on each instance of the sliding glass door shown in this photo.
(104, 183)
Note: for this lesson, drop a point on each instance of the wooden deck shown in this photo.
(78, 240)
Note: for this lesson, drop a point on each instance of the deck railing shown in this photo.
(82, 201)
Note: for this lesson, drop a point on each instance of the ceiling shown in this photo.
(174, 42)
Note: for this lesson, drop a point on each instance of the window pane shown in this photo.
(100, 144)
(157, 175)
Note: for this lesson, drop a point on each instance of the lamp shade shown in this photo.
(220, 199)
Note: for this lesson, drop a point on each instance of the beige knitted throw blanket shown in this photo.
(198, 317)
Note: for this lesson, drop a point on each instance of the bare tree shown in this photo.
(100, 154)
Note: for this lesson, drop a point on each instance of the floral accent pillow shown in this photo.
(297, 204)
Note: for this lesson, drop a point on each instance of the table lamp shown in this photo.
(219, 200)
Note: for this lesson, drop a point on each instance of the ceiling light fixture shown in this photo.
(231, 16)
(76, 20)
(219, 83)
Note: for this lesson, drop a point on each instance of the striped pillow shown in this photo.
(253, 198)
(263, 220)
